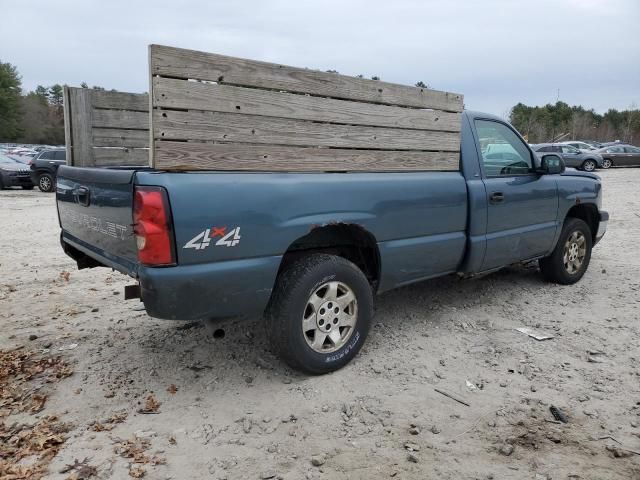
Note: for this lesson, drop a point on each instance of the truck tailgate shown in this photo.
(95, 211)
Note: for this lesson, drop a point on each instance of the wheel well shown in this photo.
(587, 213)
(349, 241)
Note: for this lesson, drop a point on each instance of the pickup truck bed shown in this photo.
(233, 240)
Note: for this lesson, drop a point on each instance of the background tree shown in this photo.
(10, 90)
(551, 121)
(35, 121)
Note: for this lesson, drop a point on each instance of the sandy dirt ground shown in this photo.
(222, 407)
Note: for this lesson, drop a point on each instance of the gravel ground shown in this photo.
(228, 409)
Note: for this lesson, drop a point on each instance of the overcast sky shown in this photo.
(495, 52)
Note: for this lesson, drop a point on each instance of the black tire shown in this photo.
(589, 165)
(606, 163)
(290, 301)
(553, 267)
(27, 187)
(46, 182)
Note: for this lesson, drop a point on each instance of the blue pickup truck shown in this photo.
(308, 251)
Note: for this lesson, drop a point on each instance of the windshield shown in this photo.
(4, 159)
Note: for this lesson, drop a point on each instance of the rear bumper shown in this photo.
(602, 226)
(237, 288)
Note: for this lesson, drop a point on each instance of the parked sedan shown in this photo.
(14, 174)
(587, 161)
(620, 156)
(582, 146)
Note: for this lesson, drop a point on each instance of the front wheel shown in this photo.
(606, 163)
(569, 260)
(45, 182)
(320, 313)
(589, 165)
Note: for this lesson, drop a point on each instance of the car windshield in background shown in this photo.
(4, 159)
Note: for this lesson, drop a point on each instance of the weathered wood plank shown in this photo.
(231, 127)
(66, 108)
(80, 127)
(190, 64)
(106, 157)
(206, 156)
(120, 119)
(183, 94)
(120, 100)
(151, 126)
(118, 137)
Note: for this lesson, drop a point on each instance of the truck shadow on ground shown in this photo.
(206, 353)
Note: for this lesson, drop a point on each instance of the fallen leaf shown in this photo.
(37, 402)
(151, 405)
(81, 470)
(172, 389)
(137, 472)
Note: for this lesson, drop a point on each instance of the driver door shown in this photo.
(522, 206)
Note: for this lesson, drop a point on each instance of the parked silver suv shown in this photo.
(587, 161)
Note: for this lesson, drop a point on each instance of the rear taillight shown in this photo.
(152, 226)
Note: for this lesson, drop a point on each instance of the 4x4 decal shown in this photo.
(203, 239)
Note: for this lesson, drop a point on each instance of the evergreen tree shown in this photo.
(10, 90)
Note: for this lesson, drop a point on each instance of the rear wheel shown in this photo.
(569, 260)
(606, 163)
(320, 313)
(45, 182)
(589, 165)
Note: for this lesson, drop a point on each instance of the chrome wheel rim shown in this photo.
(589, 166)
(606, 163)
(329, 317)
(45, 183)
(575, 250)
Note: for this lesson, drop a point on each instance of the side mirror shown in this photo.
(551, 164)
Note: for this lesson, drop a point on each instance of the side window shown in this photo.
(569, 149)
(544, 149)
(61, 155)
(632, 149)
(503, 153)
(47, 156)
(615, 150)
(556, 148)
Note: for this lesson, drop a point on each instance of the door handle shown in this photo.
(82, 196)
(496, 197)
